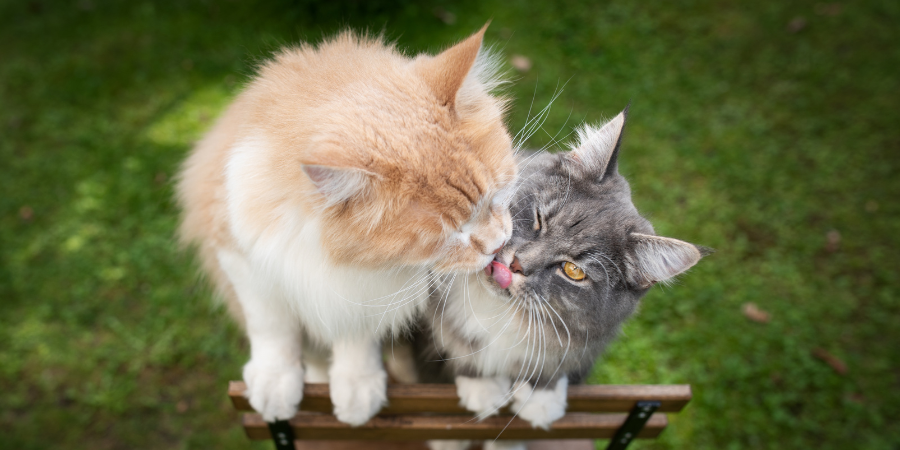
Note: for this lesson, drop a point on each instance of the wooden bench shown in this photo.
(418, 412)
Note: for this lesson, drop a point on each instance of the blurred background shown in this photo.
(767, 130)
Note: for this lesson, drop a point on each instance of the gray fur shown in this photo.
(587, 217)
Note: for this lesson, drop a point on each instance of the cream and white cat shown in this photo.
(342, 176)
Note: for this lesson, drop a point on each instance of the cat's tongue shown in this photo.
(499, 273)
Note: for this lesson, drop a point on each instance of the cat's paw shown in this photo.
(541, 407)
(274, 389)
(483, 395)
(358, 396)
(504, 445)
(449, 445)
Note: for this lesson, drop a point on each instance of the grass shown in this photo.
(755, 128)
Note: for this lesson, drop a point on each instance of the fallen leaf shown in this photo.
(752, 312)
(445, 16)
(871, 206)
(26, 213)
(777, 379)
(796, 24)
(830, 359)
(832, 241)
(521, 63)
(181, 406)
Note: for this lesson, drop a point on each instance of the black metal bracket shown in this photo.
(282, 434)
(633, 425)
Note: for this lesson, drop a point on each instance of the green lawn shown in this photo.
(756, 128)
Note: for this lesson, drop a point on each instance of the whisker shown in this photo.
(550, 317)
(441, 299)
(467, 297)
(534, 124)
(604, 256)
(568, 341)
(602, 266)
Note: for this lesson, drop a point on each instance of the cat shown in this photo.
(340, 177)
(579, 260)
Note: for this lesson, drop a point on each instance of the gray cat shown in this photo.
(536, 319)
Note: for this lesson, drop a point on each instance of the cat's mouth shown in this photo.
(500, 273)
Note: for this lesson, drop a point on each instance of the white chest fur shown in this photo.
(282, 260)
(511, 338)
(331, 301)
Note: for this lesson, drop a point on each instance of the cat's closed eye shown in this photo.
(572, 271)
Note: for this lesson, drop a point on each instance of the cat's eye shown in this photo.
(572, 271)
(537, 220)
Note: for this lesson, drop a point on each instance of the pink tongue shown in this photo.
(500, 273)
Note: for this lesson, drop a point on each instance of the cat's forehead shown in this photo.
(560, 194)
(462, 189)
(583, 214)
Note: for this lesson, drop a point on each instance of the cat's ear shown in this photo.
(446, 72)
(338, 184)
(597, 151)
(659, 259)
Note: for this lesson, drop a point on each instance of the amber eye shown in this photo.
(572, 271)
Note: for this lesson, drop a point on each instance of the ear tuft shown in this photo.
(659, 259)
(596, 153)
(338, 185)
(446, 72)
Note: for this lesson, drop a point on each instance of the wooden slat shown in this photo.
(307, 444)
(441, 398)
(622, 398)
(559, 444)
(420, 427)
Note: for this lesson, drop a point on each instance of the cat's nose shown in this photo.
(515, 267)
(498, 249)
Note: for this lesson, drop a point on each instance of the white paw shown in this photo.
(449, 445)
(483, 396)
(504, 445)
(541, 407)
(274, 388)
(358, 396)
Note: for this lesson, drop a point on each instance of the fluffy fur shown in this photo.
(336, 182)
(524, 344)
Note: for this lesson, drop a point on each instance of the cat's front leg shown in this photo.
(274, 374)
(274, 378)
(483, 395)
(358, 381)
(541, 406)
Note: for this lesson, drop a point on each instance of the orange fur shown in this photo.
(427, 139)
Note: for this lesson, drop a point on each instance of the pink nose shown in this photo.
(498, 249)
(516, 267)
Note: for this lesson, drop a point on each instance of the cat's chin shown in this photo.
(487, 282)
